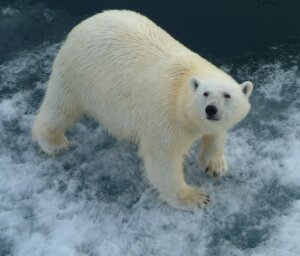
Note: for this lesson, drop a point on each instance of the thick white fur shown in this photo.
(139, 83)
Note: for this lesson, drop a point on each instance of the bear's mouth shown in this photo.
(212, 118)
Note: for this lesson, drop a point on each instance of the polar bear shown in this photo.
(145, 87)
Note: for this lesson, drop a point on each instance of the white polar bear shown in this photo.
(145, 87)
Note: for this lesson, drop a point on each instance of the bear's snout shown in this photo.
(211, 112)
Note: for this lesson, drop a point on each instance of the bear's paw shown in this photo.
(215, 167)
(191, 199)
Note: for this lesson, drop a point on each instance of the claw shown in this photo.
(206, 170)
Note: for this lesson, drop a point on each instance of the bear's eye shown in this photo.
(227, 96)
(205, 94)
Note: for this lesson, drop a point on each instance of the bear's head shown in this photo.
(217, 105)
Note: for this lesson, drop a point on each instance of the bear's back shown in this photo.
(129, 33)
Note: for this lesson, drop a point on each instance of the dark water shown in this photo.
(212, 28)
(92, 199)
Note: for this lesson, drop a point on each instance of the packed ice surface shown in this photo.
(92, 199)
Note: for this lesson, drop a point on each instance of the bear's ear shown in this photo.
(247, 88)
(194, 83)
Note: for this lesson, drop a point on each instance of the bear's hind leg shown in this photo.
(165, 173)
(55, 116)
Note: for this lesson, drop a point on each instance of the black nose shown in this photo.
(211, 110)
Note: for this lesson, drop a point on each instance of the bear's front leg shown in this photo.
(212, 158)
(165, 173)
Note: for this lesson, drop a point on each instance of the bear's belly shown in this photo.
(125, 116)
